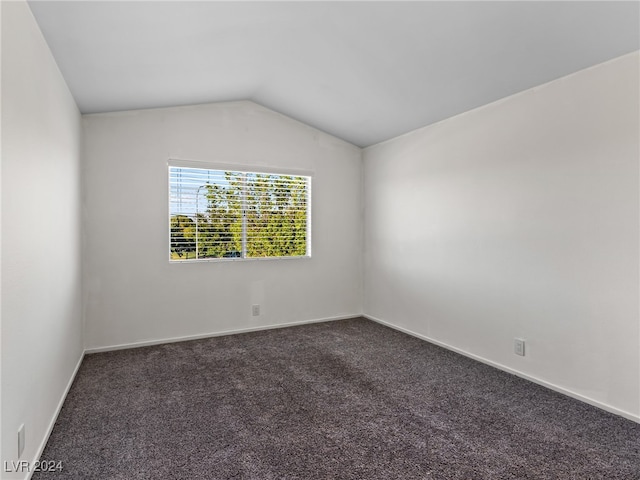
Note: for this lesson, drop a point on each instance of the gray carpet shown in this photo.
(340, 400)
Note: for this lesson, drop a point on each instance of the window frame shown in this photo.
(246, 169)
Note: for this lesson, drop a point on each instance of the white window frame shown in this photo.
(247, 169)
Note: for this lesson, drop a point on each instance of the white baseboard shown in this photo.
(160, 341)
(551, 386)
(52, 423)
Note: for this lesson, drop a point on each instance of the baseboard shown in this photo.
(499, 366)
(147, 343)
(52, 423)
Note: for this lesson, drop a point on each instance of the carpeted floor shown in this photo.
(341, 400)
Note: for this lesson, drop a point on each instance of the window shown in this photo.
(218, 214)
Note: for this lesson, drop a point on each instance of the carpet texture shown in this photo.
(347, 399)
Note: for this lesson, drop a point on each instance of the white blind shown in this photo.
(233, 214)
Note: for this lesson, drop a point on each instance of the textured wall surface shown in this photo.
(519, 219)
(41, 291)
(133, 294)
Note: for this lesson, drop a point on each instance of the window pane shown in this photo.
(206, 213)
(276, 215)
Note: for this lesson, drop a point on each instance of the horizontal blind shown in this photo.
(230, 214)
(276, 215)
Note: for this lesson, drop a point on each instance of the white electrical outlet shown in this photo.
(255, 310)
(518, 346)
(20, 440)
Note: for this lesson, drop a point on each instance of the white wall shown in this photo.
(519, 219)
(133, 294)
(41, 294)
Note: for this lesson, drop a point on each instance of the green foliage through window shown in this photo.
(232, 214)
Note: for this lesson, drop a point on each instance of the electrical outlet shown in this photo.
(20, 440)
(255, 310)
(518, 346)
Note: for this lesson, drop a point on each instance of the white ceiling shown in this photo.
(363, 71)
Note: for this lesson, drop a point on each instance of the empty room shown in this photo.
(320, 240)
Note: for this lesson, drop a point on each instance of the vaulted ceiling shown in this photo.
(362, 71)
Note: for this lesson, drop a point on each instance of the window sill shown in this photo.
(236, 259)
